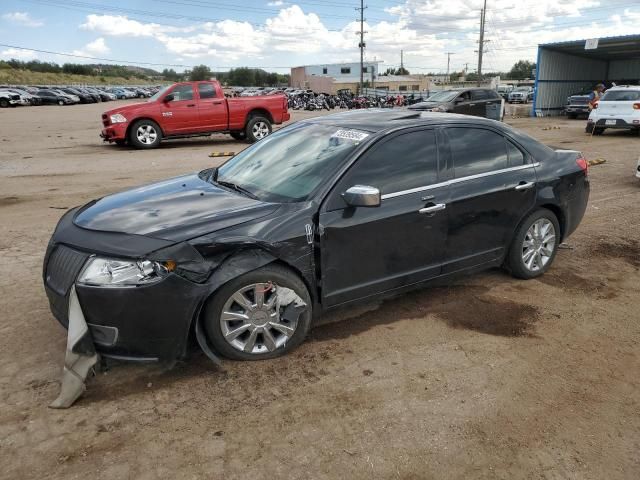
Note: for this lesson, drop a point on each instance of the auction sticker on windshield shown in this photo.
(353, 135)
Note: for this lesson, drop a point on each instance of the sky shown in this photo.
(277, 34)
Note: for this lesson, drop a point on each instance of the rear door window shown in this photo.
(475, 151)
(206, 90)
(516, 157)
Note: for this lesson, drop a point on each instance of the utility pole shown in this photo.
(448, 65)
(361, 44)
(402, 60)
(481, 43)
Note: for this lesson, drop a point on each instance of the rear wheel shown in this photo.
(257, 128)
(246, 319)
(145, 134)
(4, 103)
(535, 245)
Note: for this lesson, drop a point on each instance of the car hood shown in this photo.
(175, 209)
(131, 108)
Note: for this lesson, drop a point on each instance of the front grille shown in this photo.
(63, 268)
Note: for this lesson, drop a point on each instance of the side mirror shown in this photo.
(362, 196)
(168, 98)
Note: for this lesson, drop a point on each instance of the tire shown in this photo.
(598, 130)
(572, 116)
(120, 143)
(145, 134)
(4, 103)
(239, 135)
(257, 128)
(520, 262)
(60, 102)
(215, 325)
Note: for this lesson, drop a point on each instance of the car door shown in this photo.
(462, 104)
(368, 250)
(180, 113)
(492, 187)
(211, 108)
(478, 104)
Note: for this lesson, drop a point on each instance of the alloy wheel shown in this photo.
(251, 322)
(146, 134)
(260, 130)
(539, 244)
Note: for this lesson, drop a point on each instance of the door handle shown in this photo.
(433, 208)
(525, 185)
(191, 105)
(472, 104)
(219, 102)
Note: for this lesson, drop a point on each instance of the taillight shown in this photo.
(583, 164)
(594, 106)
(636, 106)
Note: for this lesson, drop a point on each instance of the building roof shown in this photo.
(609, 48)
(340, 63)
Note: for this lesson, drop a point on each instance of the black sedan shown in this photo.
(323, 213)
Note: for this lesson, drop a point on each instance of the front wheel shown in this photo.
(257, 128)
(145, 134)
(4, 103)
(261, 314)
(535, 245)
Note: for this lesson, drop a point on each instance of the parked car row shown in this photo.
(13, 96)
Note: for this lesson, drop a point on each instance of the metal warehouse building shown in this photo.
(566, 68)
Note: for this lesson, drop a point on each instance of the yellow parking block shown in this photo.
(222, 154)
(596, 161)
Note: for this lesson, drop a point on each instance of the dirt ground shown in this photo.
(490, 377)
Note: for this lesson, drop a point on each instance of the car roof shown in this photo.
(375, 120)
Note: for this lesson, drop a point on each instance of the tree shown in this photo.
(522, 69)
(171, 75)
(402, 71)
(200, 72)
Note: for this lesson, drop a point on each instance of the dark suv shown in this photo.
(480, 102)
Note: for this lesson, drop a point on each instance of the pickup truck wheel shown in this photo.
(145, 134)
(257, 128)
(248, 319)
(239, 135)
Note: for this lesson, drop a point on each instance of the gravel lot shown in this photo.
(488, 378)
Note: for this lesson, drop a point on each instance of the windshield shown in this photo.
(621, 96)
(445, 96)
(289, 165)
(159, 93)
(522, 89)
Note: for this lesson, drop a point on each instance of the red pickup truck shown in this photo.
(189, 109)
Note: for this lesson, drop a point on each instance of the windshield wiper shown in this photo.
(237, 188)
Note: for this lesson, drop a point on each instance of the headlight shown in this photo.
(107, 272)
(439, 108)
(118, 118)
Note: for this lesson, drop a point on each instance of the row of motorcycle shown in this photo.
(321, 101)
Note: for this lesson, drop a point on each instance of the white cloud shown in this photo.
(424, 29)
(22, 18)
(276, 3)
(18, 54)
(97, 47)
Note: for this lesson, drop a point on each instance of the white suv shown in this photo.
(619, 107)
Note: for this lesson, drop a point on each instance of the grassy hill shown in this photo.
(13, 76)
